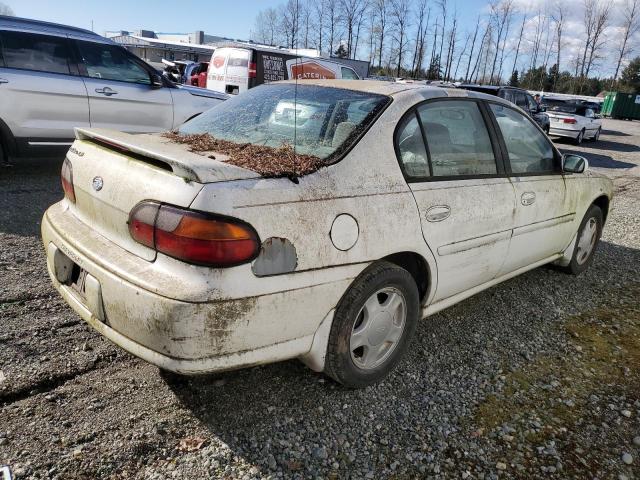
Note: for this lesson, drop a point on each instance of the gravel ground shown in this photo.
(538, 377)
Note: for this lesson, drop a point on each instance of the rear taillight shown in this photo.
(194, 237)
(252, 70)
(569, 120)
(66, 176)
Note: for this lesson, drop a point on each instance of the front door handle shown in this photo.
(528, 198)
(4, 80)
(437, 213)
(106, 91)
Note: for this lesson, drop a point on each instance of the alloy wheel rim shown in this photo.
(587, 240)
(378, 328)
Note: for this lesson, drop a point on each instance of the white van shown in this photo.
(235, 69)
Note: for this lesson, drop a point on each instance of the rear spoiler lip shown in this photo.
(204, 170)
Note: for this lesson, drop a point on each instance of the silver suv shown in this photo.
(54, 78)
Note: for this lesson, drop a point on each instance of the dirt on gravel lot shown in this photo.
(538, 377)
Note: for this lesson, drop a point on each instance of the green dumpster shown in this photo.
(620, 105)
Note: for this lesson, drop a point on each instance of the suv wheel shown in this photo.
(372, 326)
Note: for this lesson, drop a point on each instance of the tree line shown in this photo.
(551, 48)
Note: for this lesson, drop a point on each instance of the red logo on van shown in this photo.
(218, 61)
(311, 70)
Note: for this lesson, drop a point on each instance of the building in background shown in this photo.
(154, 46)
(198, 46)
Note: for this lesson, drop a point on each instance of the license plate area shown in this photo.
(78, 281)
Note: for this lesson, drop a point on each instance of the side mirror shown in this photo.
(156, 81)
(542, 108)
(574, 163)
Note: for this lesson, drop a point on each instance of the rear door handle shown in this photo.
(437, 213)
(106, 91)
(528, 198)
(4, 80)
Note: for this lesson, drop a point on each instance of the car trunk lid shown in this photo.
(113, 172)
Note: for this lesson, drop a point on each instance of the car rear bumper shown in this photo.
(184, 336)
(563, 132)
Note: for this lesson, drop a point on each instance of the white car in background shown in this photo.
(318, 220)
(572, 120)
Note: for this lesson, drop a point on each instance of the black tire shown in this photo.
(596, 136)
(577, 264)
(578, 140)
(339, 363)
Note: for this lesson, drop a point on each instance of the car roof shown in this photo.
(394, 89)
(381, 87)
(48, 28)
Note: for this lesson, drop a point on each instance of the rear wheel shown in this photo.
(372, 326)
(578, 140)
(587, 241)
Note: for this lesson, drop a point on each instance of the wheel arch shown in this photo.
(603, 203)
(7, 140)
(417, 266)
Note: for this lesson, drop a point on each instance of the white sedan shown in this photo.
(574, 121)
(318, 220)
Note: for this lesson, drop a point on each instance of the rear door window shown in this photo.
(521, 100)
(110, 62)
(529, 149)
(41, 53)
(410, 144)
(457, 138)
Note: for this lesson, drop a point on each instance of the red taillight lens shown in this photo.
(252, 70)
(66, 177)
(193, 237)
(569, 120)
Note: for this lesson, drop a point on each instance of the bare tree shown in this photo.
(464, 48)
(501, 16)
(332, 17)
(630, 25)
(443, 9)
(451, 47)
(290, 15)
(473, 44)
(601, 15)
(319, 14)
(558, 16)
(6, 10)
(351, 12)
(361, 17)
(515, 60)
(422, 6)
(400, 17)
(541, 20)
(481, 48)
(267, 26)
(380, 7)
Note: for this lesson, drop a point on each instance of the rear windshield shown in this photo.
(567, 108)
(315, 121)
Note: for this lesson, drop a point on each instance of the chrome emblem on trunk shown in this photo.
(97, 183)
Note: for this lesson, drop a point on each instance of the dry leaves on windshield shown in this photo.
(267, 161)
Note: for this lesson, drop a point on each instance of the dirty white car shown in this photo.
(396, 202)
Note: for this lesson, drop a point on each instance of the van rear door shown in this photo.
(229, 70)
